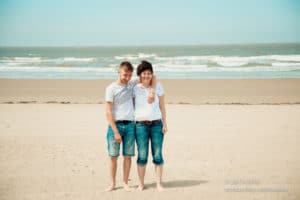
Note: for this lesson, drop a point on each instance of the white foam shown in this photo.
(205, 68)
(57, 69)
(11, 63)
(179, 68)
(293, 58)
(144, 55)
(73, 59)
(220, 60)
(230, 61)
(27, 59)
(286, 64)
(256, 69)
(135, 56)
(210, 63)
(186, 58)
(38, 60)
(126, 57)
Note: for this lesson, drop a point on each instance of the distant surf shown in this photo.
(244, 61)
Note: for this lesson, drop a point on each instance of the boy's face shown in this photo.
(124, 75)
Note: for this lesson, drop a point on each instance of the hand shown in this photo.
(118, 137)
(151, 97)
(164, 129)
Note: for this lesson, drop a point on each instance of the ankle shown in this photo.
(141, 184)
(159, 183)
(140, 187)
(159, 187)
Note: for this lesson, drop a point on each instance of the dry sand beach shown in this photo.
(53, 150)
(235, 91)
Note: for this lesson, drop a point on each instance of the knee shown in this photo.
(158, 159)
(142, 158)
(142, 162)
(127, 158)
(113, 159)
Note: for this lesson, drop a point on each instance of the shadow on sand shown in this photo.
(178, 183)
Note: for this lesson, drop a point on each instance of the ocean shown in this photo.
(169, 62)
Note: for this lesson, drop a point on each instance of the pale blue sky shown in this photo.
(133, 22)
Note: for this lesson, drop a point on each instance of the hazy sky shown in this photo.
(152, 22)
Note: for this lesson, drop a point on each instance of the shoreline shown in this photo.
(178, 91)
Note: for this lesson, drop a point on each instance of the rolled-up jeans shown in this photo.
(126, 130)
(152, 133)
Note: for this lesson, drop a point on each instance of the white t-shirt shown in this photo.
(121, 97)
(143, 109)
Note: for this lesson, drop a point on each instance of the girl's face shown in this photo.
(146, 77)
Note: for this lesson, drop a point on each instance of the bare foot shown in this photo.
(110, 188)
(140, 188)
(126, 187)
(159, 187)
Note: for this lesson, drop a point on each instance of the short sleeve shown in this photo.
(109, 95)
(159, 89)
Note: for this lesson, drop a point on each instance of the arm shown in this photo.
(163, 113)
(135, 81)
(151, 96)
(111, 122)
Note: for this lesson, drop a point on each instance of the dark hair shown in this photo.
(127, 65)
(145, 65)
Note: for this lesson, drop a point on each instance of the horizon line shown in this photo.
(153, 45)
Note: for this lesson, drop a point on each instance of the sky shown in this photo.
(134, 23)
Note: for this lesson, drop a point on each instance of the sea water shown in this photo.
(169, 62)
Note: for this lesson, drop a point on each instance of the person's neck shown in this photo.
(120, 82)
(145, 85)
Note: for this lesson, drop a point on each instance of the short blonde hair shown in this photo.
(126, 65)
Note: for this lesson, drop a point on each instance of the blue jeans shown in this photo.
(127, 132)
(154, 133)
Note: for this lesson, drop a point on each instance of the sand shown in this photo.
(58, 151)
(243, 91)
